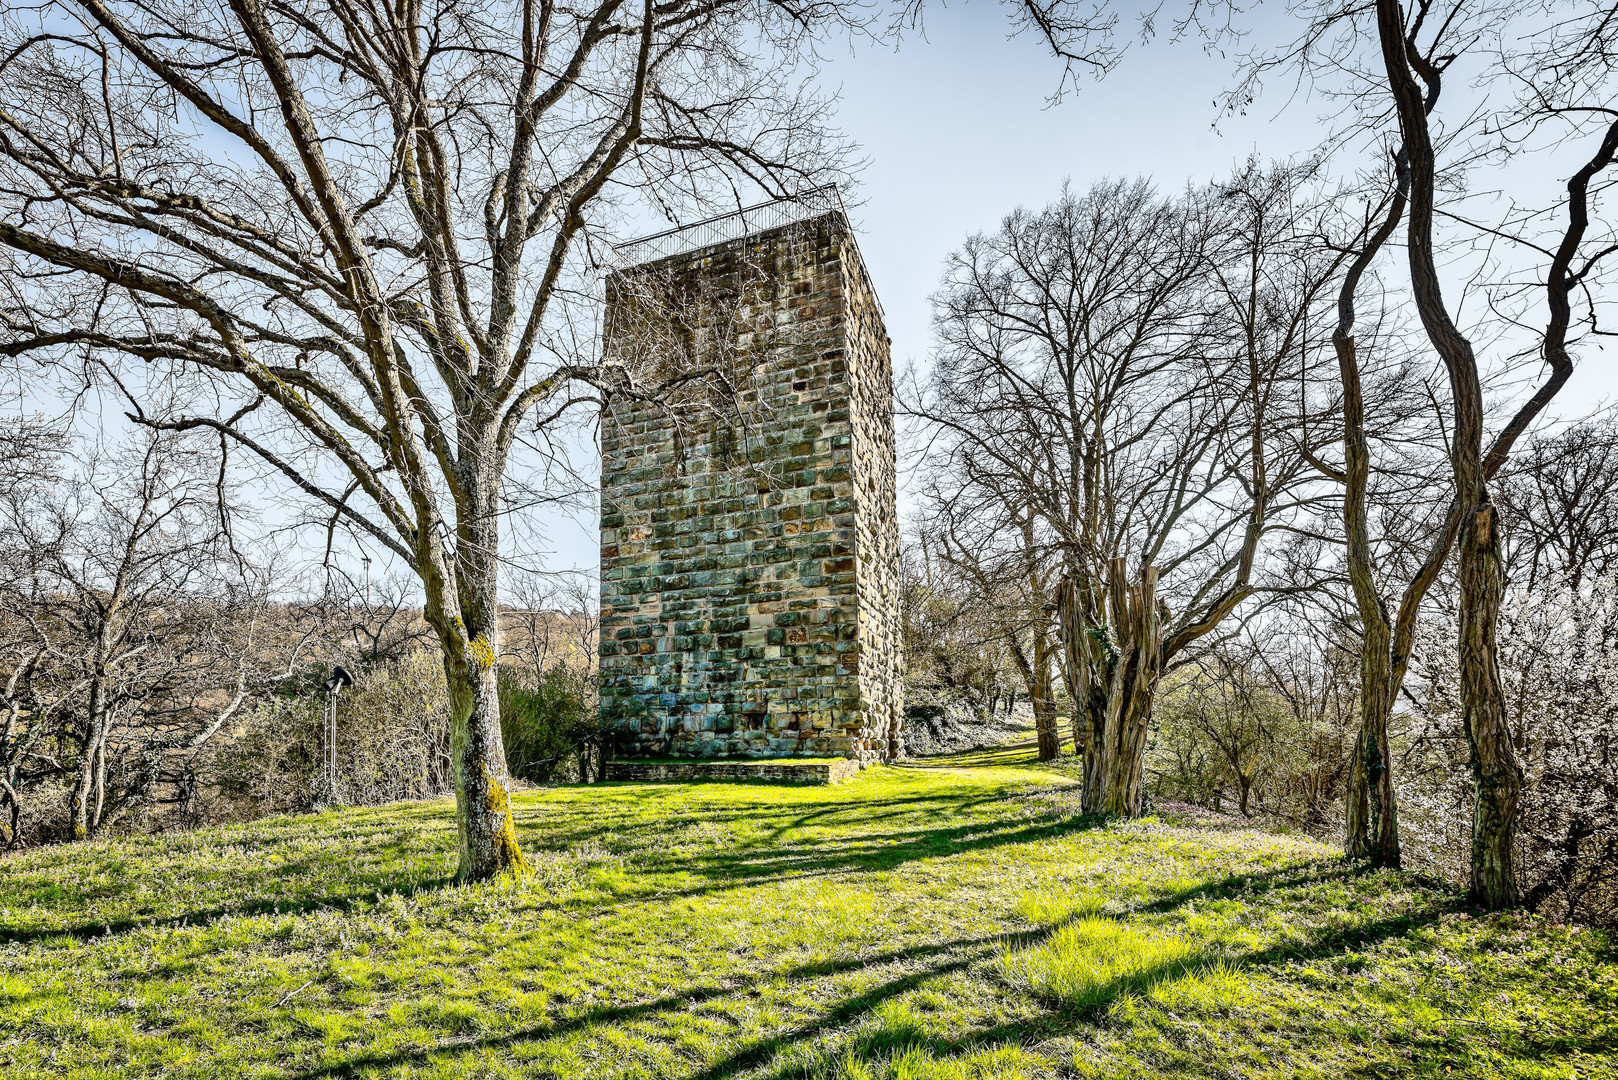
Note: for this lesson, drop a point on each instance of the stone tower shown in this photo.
(749, 540)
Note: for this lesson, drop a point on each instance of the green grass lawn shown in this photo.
(912, 923)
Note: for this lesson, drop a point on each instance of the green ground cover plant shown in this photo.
(917, 922)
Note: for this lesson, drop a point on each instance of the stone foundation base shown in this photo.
(808, 771)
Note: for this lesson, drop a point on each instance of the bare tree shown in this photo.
(1117, 364)
(136, 634)
(1371, 823)
(1547, 81)
(30, 452)
(1012, 581)
(354, 235)
(1558, 516)
(1559, 638)
(954, 652)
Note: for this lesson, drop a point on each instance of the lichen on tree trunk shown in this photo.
(464, 610)
(488, 834)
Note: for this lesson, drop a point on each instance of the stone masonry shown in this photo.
(809, 770)
(749, 541)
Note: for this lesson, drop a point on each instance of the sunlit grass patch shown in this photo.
(916, 1063)
(1088, 963)
(894, 1042)
(925, 924)
(1050, 909)
(1204, 988)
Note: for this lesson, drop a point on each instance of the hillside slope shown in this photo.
(916, 922)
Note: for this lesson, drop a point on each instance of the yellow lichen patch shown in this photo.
(508, 855)
(482, 652)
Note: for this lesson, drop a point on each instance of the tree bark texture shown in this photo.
(1112, 677)
(470, 635)
(1139, 630)
(1047, 729)
(1371, 817)
(1087, 667)
(487, 832)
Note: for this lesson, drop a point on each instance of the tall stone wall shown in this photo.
(749, 541)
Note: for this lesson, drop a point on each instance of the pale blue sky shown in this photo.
(958, 130)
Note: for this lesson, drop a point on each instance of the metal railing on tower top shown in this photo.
(731, 226)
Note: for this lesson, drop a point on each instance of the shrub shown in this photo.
(393, 739)
(1559, 664)
(545, 724)
(393, 742)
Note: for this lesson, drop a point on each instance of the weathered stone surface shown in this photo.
(808, 771)
(749, 540)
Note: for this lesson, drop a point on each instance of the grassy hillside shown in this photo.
(939, 922)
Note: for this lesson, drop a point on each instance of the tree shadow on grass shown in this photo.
(765, 859)
(881, 1047)
(945, 958)
(340, 902)
(1055, 1022)
(758, 863)
(942, 953)
(872, 1048)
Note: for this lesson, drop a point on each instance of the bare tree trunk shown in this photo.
(99, 788)
(470, 635)
(1138, 628)
(1496, 775)
(1497, 778)
(488, 835)
(1371, 819)
(81, 817)
(1087, 670)
(1046, 725)
(78, 800)
(1036, 676)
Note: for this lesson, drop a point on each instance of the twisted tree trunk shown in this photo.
(1371, 818)
(1087, 668)
(1138, 628)
(1497, 778)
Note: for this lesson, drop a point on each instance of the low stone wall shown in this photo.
(808, 771)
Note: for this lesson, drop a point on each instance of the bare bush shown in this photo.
(1265, 724)
(393, 742)
(132, 632)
